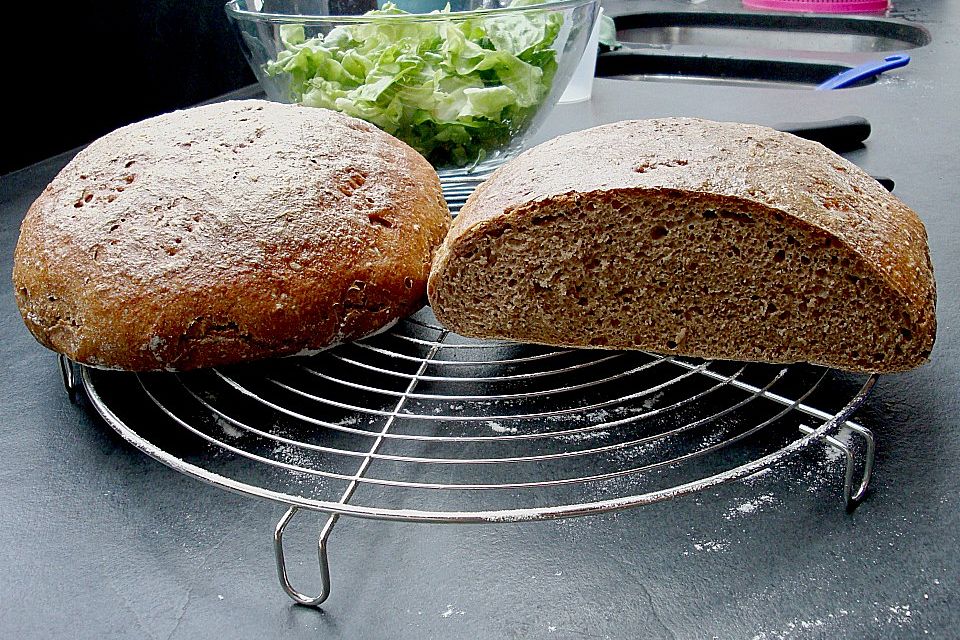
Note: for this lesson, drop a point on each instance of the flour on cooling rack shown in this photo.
(499, 428)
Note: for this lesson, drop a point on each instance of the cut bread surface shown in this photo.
(660, 265)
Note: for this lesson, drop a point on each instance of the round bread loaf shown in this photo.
(225, 233)
(690, 237)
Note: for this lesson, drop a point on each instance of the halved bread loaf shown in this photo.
(691, 237)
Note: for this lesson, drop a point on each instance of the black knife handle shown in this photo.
(839, 134)
(884, 181)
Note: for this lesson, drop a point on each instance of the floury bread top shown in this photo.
(226, 233)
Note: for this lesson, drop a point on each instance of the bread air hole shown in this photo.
(735, 215)
(658, 232)
(543, 220)
(380, 220)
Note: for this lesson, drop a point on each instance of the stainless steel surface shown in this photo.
(323, 562)
(750, 50)
(762, 38)
(782, 32)
(713, 80)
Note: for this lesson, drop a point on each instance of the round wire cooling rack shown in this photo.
(420, 424)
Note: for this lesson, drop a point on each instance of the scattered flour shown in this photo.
(899, 613)
(649, 401)
(797, 628)
(583, 437)
(499, 428)
(750, 506)
(794, 629)
(599, 415)
(450, 612)
(833, 454)
(711, 545)
(229, 429)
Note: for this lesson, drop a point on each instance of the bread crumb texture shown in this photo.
(684, 236)
(226, 233)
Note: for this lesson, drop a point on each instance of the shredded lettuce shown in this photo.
(608, 33)
(453, 90)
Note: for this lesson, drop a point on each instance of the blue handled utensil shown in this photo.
(864, 71)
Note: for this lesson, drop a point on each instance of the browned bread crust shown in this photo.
(685, 236)
(226, 233)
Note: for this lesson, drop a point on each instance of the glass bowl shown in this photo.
(465, 88)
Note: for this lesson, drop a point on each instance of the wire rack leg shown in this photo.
(69, 376)
(324, 565)
(853, 496)
(316, 601)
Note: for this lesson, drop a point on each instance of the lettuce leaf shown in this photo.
(454, 90)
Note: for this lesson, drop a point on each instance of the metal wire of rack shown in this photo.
(419, 424)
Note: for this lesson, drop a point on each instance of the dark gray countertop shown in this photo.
(99, 541)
